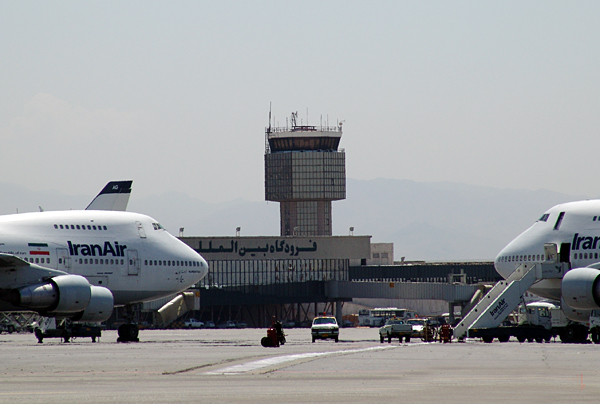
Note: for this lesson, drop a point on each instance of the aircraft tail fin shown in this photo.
(114, 196)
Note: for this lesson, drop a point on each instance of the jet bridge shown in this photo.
(506, 295)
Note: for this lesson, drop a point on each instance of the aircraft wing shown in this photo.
(15, 272)
(114, 196)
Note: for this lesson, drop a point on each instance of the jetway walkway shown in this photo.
(503, 298)
(177, 307)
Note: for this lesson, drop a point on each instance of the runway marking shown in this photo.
(278, 360)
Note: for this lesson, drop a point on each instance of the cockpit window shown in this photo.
(544, 217)
(157, 226)
(559, 220)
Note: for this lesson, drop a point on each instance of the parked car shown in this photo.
(193, 323)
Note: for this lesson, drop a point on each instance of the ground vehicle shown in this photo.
(325, 327)
(227, 324)
(193, 323)
(377, 317)
(418, 325)
(536, 321)
(595, 326)
(275, 336)
(395, 328)
(6, 326)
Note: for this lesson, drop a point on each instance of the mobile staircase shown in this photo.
(506, 295)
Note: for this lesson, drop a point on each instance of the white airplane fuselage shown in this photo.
(574, 228)
(128, 253)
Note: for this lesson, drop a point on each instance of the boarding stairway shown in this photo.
(506, 295)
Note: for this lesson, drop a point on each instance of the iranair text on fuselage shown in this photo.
(585, 242)
(97, 250)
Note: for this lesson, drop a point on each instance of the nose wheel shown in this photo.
(128, 333)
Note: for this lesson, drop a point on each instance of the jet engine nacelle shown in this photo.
(100, 308)
(581, 316)
(69, 296)
(581, 288)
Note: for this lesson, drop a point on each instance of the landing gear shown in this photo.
(128, 333)
(575, 333)
(595, 335)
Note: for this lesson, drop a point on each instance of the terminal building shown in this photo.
(306, 270)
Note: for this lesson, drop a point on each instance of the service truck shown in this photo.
(536, 321)
(395, 328)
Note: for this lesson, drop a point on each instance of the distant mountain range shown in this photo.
(424, 220)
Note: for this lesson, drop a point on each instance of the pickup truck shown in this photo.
(193, 323)
(395, 328)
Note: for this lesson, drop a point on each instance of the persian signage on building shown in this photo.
(256, 248)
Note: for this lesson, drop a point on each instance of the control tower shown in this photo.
(304, 172)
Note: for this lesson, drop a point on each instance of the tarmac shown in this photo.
(230, 366)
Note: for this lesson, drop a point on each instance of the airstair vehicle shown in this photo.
(506, 295)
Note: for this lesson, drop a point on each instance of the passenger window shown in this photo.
(56, 226)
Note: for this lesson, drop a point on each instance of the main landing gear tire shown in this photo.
(128, 333)
(504, 338)
(595, 336)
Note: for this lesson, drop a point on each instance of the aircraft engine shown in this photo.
(581, 288)
(100, 307)
(62, 294)
(69, 296)
(581, 316)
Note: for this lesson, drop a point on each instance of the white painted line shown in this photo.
(277, 360)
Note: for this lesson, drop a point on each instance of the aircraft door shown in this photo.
(141, 230)
(565, 252)
(550, 252)
(133, 263)
(63, 259)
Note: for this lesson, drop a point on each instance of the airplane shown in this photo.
(574, 228)
(80, 264)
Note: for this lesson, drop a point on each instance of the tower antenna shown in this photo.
(269, 130)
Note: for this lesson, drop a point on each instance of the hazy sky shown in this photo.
(175, 95)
